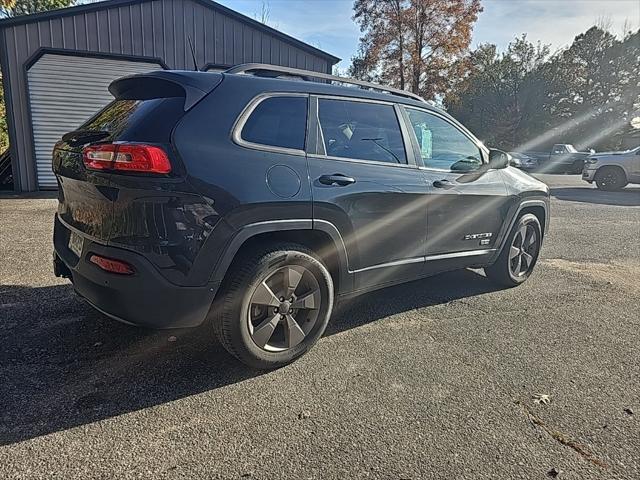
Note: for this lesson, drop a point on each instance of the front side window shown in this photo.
(442, 145)
(361, 130)
(278, 122)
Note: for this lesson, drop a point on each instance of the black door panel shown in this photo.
(465, 215)
(468, 201)
(381, 215)
(364, 182)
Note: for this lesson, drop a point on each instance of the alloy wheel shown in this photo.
(523, 251)
(608, 180)
(284, 308)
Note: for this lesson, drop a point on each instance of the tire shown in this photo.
(503, 271)
(610, 179)
(252, 307)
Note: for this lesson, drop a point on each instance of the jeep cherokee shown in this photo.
(255, 198)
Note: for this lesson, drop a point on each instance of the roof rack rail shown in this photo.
(266, 70)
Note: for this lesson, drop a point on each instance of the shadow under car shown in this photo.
(64, 364)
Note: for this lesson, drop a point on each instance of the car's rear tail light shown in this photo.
(111, 265)
(129, 157)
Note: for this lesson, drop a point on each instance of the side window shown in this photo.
(361, 130)
(442, 145)
(278, 122)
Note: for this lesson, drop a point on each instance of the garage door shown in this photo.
(64, 91)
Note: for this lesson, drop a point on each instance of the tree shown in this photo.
(498, 95)
(13, 8)
(264, 15)
(360, 69)
(524, 99)
(413, 44)
(594, 87)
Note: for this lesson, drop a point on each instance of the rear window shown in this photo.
(123, 119)
(278, 122)
(115, 117)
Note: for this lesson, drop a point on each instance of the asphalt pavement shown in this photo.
(433, 379)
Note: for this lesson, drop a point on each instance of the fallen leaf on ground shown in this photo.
(541, 398)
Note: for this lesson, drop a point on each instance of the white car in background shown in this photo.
(613, 170)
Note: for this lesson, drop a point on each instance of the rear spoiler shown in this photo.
(193, 86)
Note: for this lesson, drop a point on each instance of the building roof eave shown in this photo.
(90, 7)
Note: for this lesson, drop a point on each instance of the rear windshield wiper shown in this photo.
(80, 137)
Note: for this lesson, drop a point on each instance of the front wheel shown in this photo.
(610, 179)
(274, 306)
(519, 254)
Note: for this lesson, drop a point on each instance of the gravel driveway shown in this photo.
(433, 379)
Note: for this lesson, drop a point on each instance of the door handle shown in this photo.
(444, 183)
(336, 179)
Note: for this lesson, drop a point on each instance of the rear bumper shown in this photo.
(144, 298)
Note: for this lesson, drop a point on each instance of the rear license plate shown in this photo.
(75, 243)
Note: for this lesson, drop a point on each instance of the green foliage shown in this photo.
(501, 91)
(12, 8)
(4, 132)
(526, 99)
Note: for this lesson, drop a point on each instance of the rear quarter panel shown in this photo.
(232, 179)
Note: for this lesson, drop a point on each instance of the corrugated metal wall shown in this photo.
(152, 29)
(65, 91)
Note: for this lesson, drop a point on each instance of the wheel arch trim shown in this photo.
(521, 206)
(252, 230)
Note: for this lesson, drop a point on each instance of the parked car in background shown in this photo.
(522, 161)
(563, 158)
(253, 203)
(613, 170)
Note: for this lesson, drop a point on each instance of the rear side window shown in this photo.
(278, 122)
(361, 130)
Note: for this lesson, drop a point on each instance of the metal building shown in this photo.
(56, 65)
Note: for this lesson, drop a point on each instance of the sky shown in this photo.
(327, 24)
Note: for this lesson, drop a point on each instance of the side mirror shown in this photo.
(498, 158)
(469, 164)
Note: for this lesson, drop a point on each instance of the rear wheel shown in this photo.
(610, 179)
(520, 253)
(274, 306)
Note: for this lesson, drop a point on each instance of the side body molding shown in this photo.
(346, 276)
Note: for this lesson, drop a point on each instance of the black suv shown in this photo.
(254, 202)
